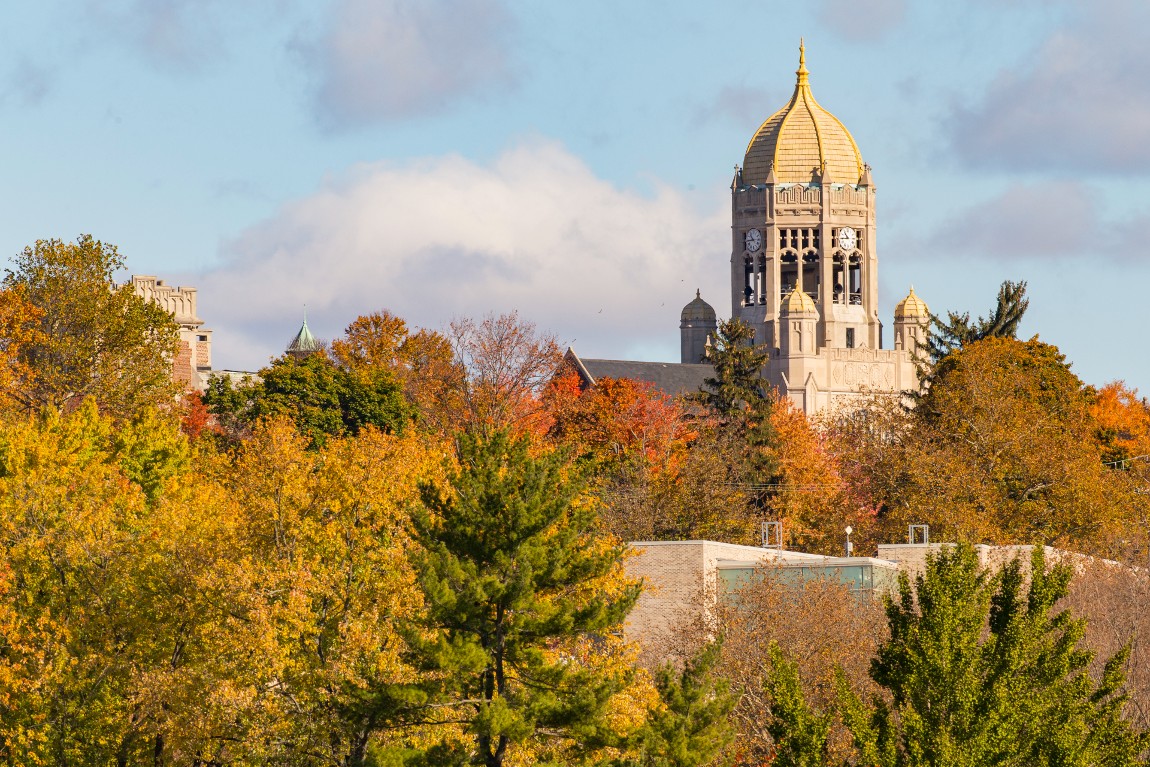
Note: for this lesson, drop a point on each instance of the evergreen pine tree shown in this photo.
(958, 330)
(740, 396)
(512, 567)
(738, 362)
(982, 672)
(692, 728)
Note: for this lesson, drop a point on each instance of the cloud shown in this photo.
(740, 105)
(1081, 103)
(388, 59)
(28, 83)
(178, 34)
(534, 231)
(1044, 220)
(860, 19)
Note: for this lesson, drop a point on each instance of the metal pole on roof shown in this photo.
(850, 546)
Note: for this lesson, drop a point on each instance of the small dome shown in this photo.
(798, 302)
(698, 310)
(911, 308)
(802, 139)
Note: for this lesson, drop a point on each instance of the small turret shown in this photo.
(695, 330)
(911, 317)
(798, 317)
(737, 179)
(304, 344)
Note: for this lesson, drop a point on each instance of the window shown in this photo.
(850, 338)
(201, 338)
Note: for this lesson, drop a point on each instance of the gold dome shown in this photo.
(798, 302)
(698, 310)
(911, 308)
(800, 140)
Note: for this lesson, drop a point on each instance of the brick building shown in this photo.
(192, 365)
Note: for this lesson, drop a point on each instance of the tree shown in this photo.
(692, 727)
(738, 361)
(801, 733)
(810, 494)
(744, 404)
(422, 362)
(784, 644)
(325, 531)
(513, 571)
(662, 471)
(129, 634)
(1001, 449)
(88, 335)
(1123, 423)
(981, 671)
(506, 366)
(323, 400)
(944, 337)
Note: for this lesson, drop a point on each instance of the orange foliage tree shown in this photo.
(507, 363)
(1123, 420)
(422, 361)
(1002, 448)
(810, 494)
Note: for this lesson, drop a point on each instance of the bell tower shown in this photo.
(802, 212)
(803, 222)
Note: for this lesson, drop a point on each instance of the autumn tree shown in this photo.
(506, 364)
(1112, 599)
(1001, 449)
(326, 533)
(512, 571)
(423, 362)
(1122, 421)
(130, 633)
(87, 336)
(784, 646)
(663, 470)
(810, 493)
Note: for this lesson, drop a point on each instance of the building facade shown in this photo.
(192, 366)
(803, 270)
(804, 260)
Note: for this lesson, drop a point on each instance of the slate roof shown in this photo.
(671, 378)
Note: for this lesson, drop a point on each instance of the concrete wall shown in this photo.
(679, 582)
(911, 557)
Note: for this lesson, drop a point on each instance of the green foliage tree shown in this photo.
(981, 671)
(320, 397)
(738, 362)
(89, 335)
(512, 571)
(693, 727)
(743, 402)
(799, 731)
(958, 330)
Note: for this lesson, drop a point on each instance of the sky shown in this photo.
(571, 161)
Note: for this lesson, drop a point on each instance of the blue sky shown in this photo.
(447, 158)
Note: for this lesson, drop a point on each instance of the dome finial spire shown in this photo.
(802, 70)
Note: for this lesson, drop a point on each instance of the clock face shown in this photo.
(848, 239)
(754, 240)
